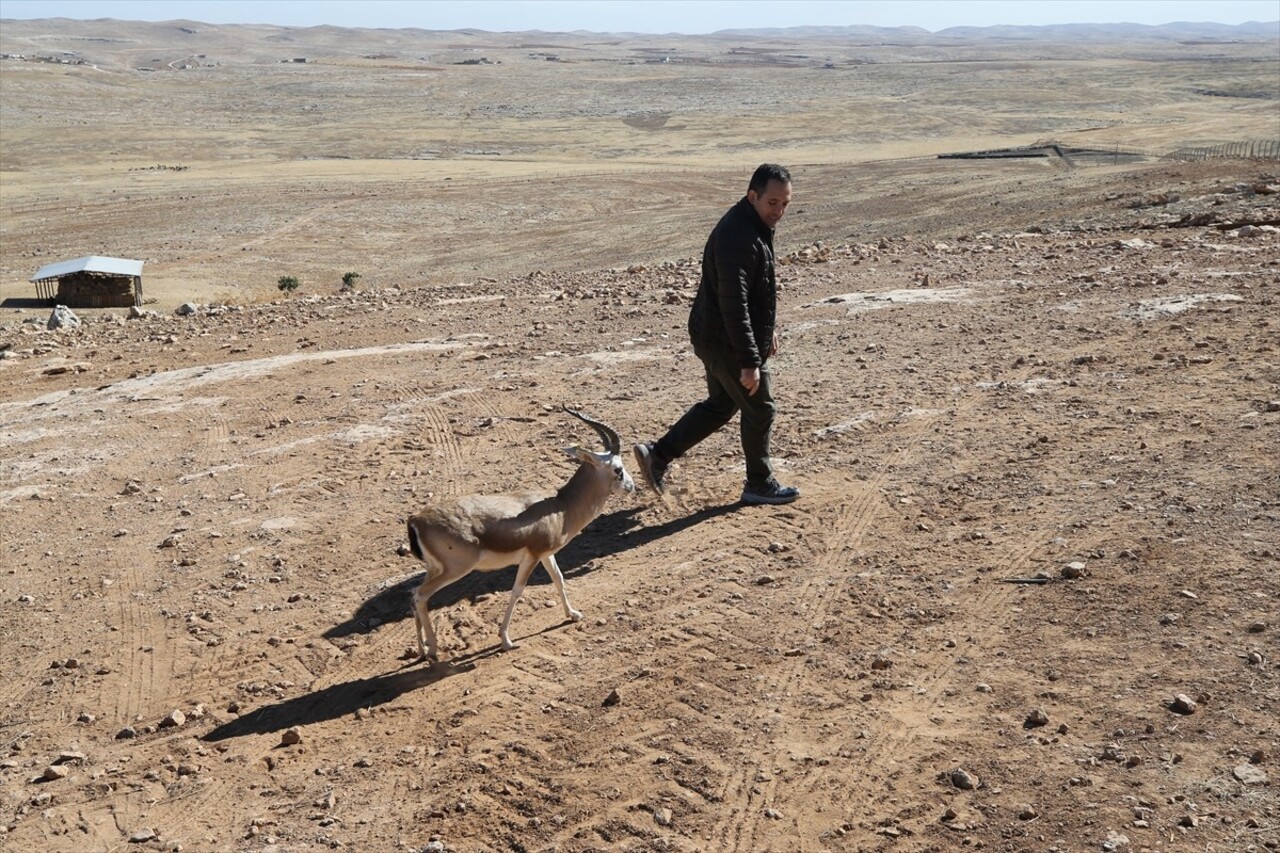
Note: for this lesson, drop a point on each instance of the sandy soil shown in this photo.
(1028, 600)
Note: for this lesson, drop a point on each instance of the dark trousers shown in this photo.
(725, 398)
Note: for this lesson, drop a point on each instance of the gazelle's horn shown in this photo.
(612, 443)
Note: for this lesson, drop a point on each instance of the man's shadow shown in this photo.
(608, 535)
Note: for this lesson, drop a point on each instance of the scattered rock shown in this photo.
(612, 699)
(662, 817)
(63, 318)
(1074, 571)
(291, 736)
(1115, 841)
(963, 779)
(141, 836)
(126, 733)
(54, 772)
(1036, 719)
(1183, 704)
(1249, 774)
(176, 719)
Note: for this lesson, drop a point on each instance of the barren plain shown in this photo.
(1027, 601)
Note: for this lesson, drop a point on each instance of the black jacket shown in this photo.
(735, 311)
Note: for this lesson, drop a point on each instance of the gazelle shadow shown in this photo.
(338, 700)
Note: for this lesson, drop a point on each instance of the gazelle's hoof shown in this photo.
(575, 615)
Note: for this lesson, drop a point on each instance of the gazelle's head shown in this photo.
(610, 459)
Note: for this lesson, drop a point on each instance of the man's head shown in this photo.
(770, 192)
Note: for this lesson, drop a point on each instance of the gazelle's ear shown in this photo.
(578, 454)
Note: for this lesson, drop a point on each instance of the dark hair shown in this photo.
(767, 172)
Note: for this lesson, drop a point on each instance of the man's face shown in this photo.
(771, 203)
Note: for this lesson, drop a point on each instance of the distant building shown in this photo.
(91, 282)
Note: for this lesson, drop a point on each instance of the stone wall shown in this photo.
(96, 290)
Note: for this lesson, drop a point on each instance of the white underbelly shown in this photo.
(490, 560)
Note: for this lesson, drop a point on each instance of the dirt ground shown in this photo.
(1027, 601)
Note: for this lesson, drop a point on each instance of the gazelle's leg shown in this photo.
(553, 569)
(436, 579)
(522, 578)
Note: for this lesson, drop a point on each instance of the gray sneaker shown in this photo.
(650, 467)
(770, 493)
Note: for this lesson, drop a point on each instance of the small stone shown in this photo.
(291, 736)
(881, 663)
(364, 762)
(85, 718)
(54, 772)
(1028, 813)
(773, 814)
(1115, 840)
(1036, 719)
(963, 779)
(1183, 704)
(141, 836)
(176, 719)
(1249, 774)
(662, 817)
(1257, 627)
(1258, 756)
(765, 580)
(1074, 571)
(1188, 820)
(612, 699)
(126, 733)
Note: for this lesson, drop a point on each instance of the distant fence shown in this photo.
(1253, 149)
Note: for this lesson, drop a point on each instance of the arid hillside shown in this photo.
(1026, 602)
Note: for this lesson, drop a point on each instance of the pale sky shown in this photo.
(649, 16)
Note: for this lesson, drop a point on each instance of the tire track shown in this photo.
(749, 820)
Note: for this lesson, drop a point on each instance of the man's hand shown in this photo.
(773, 345)
(750, 379)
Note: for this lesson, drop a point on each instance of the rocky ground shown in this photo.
(1028, 600)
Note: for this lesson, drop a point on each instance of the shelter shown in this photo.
(91, 282)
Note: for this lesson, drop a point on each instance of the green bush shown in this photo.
(287, 283)
(349, 280)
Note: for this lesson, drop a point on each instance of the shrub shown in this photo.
(349, 280)
(287, 283)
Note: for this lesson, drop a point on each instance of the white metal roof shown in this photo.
(91, 263)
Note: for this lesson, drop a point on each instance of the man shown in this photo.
(733, 329)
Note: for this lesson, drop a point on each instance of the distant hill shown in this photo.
(1181, 31)
(183, 44)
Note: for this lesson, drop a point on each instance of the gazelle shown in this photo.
(488, 532)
